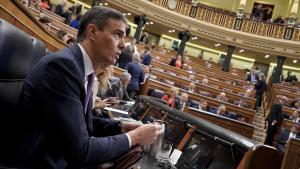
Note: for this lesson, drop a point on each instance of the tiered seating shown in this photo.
(57, 22)
(212, 81)
(213, 92)
(280, 90)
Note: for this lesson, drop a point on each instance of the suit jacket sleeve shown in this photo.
(142, 77)
(63, 116)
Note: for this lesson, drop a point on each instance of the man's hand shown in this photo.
(145, 134)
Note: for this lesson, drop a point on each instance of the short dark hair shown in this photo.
(98, 16)
(60, 34)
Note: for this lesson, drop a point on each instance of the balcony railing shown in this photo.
(229, 19)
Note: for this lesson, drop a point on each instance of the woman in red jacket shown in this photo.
(169, 98)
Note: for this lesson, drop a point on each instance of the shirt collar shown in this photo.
(88, 66)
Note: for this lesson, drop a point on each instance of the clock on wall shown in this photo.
(172, 4)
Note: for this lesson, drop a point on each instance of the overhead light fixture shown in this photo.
(217, 44)
(147, 23)
(194, 38)
(241, 50)
(151, 23)
(128, 13)
(295, 61)
(267, 56)
(170, 31)
(124, 14)
(105, 3)
(100, 4)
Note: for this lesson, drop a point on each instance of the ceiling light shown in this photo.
(241, 50)
(173, 30)
(100, 4)
(128, 13)
(124, 14)
(216, 45)
(105, 3)
(295, 61)
(267, 56)
(170, 31)
(151, 23)
(194, 38)
(147, 23)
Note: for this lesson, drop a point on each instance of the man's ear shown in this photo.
(91, 31)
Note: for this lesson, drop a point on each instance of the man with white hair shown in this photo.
(137, 75)
(119, 89)
(182, 102)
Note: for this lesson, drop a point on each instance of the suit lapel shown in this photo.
(89, 114)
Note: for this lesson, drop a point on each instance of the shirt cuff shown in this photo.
(129, 139)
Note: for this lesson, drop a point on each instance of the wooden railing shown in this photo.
(227, 19)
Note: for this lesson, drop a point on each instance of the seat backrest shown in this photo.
(18, 52)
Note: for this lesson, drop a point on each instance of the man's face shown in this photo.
(108, 43)
(184, 98)
(126, 82)
(204, 104)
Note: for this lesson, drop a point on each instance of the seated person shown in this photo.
(75, 23)
(191, 78)
(46, 21)
(169, 97)
(119, 89)
(296, 116)
(221, 111)
(176, 61)
(191, 87)
(235, 83)
(62, 35)
(182, 102)
(204, 106)
(222, 97)
(235, 116)
(205, 82)
(190, 70)
(284, 137)
(147, 57)
(247, 93)
(241, 103)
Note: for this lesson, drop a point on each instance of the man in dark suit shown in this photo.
(147, 56)
(252, 77)
(59, 10)
(274, 120)
(285, 135)
(260, 87)
(119, 88)
(55, 124)
(181, 103)
(137, 75)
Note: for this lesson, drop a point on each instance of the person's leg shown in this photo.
(270, 135)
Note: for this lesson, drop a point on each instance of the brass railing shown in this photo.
(228, 19)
